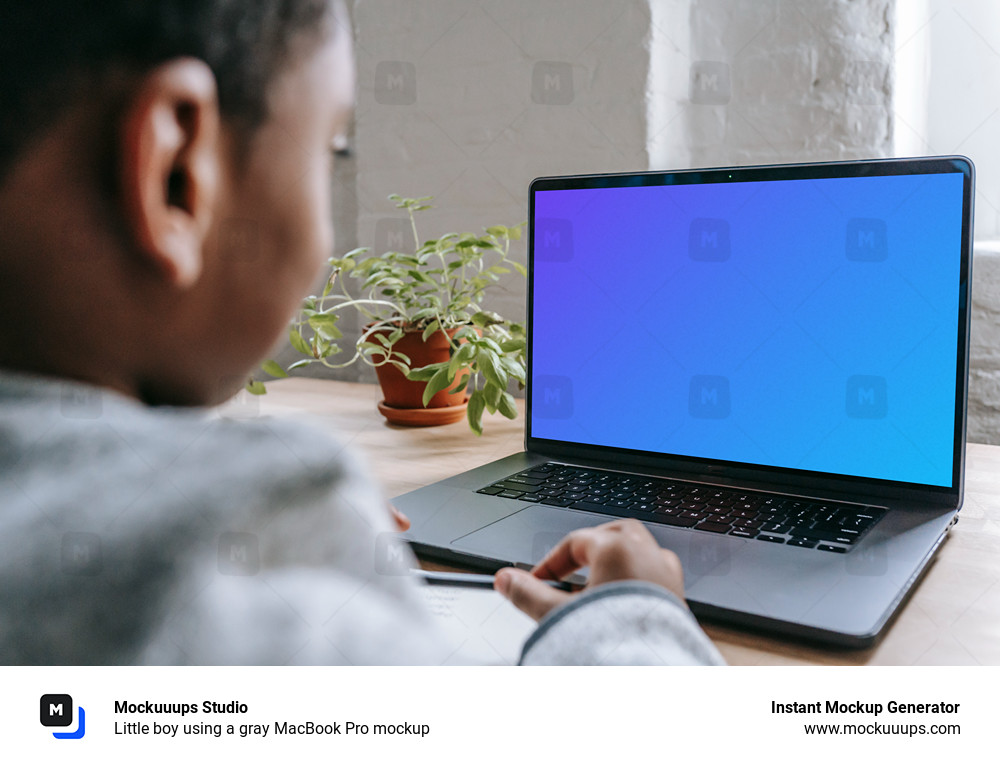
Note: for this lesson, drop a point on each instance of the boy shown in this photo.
(136, 137)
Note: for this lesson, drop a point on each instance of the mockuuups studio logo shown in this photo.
(552, 83)
(867, 239)
(396, 83)
(392, 555)
(393, 235)
(867, 397)
(708, 397)
(710, 83)
(552, 397)
(553, 239)
(56, 711)
(239, 554)
(708, 239)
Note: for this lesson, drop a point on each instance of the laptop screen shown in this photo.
(804, 323)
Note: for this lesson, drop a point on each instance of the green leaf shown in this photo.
(512, 345)
(486, 318)
(326, 326)
(507, 406)
(490, 365)
(271, 367)
(475, 412)
(513, 367)
(463, 356)
(491, 393)
(255, 387)
(463, 384)
(439, 381)
(431, 328)
(514, 232)
(521, 268)
(491, 344)
(425, 373)
(299, 343)
(417, 276)
(300, 363)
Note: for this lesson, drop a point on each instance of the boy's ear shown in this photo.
(170, 167)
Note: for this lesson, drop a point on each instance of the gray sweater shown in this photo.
(131, 534)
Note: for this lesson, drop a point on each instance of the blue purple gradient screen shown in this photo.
(806, 324)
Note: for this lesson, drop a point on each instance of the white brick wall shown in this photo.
(807, 81)
(470, 101)
(984, 375)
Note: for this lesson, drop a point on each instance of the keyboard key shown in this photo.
(667, 511)
(558, 501)
(777, 529)
(490, 490)
(677, 521)
(522, 479)
(531, 498)
(831, 548)
(805, 532)
(771, 538)
(801, 542)
(509, 493)
(708, 526)
(743, 532)
(513, 485)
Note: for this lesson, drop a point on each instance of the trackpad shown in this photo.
(526, 536)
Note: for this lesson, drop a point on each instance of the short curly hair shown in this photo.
(54, 48)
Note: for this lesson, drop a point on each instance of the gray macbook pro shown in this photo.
(765, 365)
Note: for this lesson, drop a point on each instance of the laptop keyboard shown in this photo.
(803, 522)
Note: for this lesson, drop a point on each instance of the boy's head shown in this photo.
(164, 174)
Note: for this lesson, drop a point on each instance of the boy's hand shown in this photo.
(619, 550)
(399, 518)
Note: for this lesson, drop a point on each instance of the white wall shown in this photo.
(470, 101)
(948, 69)
(786, 82)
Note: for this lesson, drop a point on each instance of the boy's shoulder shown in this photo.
(76, 439)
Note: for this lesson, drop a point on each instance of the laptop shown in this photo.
(765, 365)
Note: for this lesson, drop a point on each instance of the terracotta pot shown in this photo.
(403, 404)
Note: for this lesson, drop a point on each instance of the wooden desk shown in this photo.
(953, 617)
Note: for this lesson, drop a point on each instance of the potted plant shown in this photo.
(438, 353)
